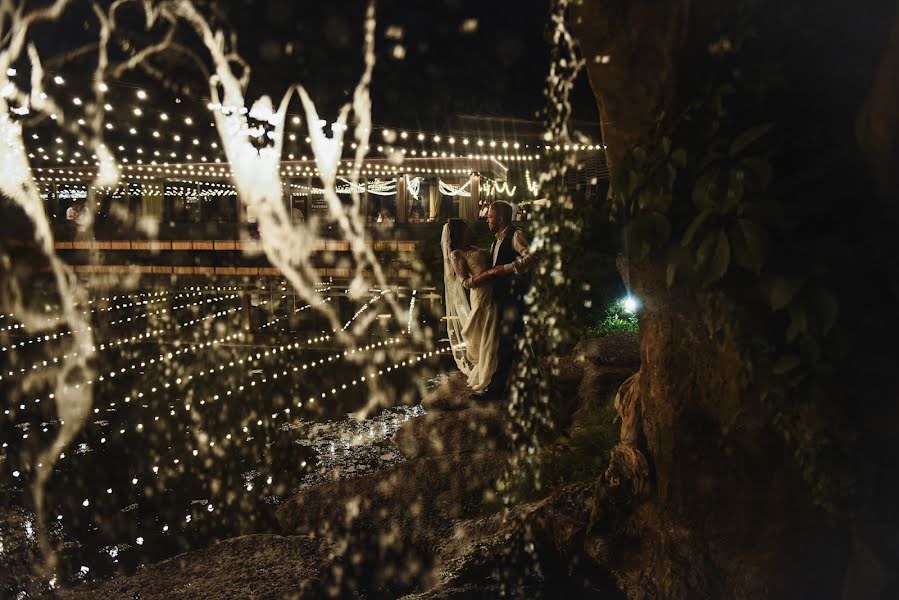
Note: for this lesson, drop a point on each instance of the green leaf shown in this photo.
(720, 259)
(679, 158)
(782, 291)
(694, 226)
(749, 242)
(734, 191)
(680, 268)
(672, 175)
(747, 137)
(646, 230)
(758, 173)
(713, 255)
(653, 199)
(636, 236)
(671, 273)
(705, 189)
(705, 249)
(621, 172)
(798, 323)
(785, 364)
(827, 308)
(666, 145)
(660, 227)
(809, 350)
(726, 89)
(633, 182)
(639, 154)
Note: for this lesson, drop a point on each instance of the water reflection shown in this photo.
(210, 406)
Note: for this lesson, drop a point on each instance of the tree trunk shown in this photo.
(703, 498)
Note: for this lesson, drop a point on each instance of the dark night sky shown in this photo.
(496, 70)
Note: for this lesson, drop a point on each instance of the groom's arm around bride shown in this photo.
(512, 259)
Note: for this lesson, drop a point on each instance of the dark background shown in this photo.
(496, 70)
(484, 80)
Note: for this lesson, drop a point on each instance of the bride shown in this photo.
(472, 324)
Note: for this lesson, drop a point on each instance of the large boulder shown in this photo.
(617, 349)
(599, 385)
(564, 369)
(524, 552)
(404, 497)
(251, 566)
(453, 394)
(477, 429)
(386, 524)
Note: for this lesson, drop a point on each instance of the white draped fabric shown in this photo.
(472, 326)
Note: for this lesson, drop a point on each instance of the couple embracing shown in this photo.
(485, 323)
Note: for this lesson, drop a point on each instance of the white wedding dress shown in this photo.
(472, 324)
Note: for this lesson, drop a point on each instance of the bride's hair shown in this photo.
(457, 229)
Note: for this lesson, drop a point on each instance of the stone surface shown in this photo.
(454, 394)
(618, 349)
(251, 566)
(386, 525)
(565, 369)
(404, 496)
(538, 546)
(405, 530)
(600, 384)
(451, 432)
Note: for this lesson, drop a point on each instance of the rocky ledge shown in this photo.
(431, 526)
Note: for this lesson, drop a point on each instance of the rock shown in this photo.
(599, 384)
(537, 546)
(403, 497)
(564, 369)
(387, 524)
(596, 391)
(441, 432)
(619, 349)
(251, 566)
(454, 394)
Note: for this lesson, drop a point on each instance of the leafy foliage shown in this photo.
(701, 194)
(615, 320)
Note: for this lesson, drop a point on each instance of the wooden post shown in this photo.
(246, 307)
(433, 201)
(401, 212)
(91, 203)
(152, 195)
(468, 207)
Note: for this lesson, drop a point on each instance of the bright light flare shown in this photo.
(630, 304)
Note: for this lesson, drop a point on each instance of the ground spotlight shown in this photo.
(630, 304)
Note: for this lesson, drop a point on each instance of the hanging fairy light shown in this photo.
(450, 190)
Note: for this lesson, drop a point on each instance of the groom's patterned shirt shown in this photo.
(521, 243)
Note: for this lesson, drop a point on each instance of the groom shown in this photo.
(512, 261)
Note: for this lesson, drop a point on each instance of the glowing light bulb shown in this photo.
(630, 304)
